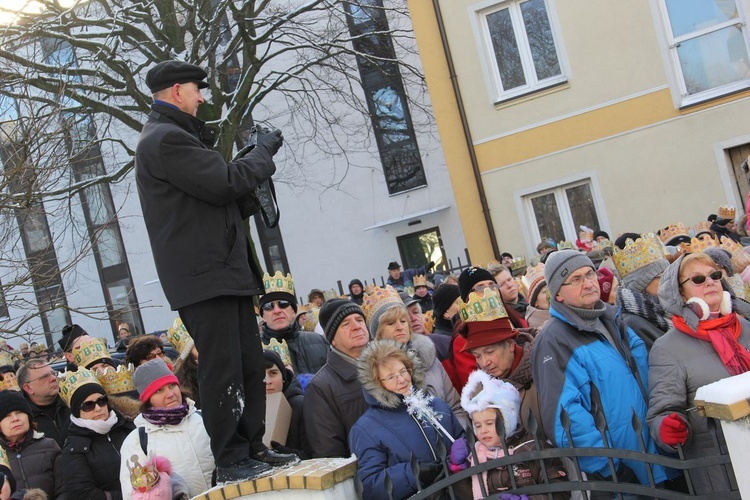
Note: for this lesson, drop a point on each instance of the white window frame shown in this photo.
(672, 44)
(524, 208)
(478, 15)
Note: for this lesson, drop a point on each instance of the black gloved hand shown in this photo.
(272, 141)
(428, 472)
(283, 449)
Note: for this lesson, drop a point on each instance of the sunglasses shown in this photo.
(283, 304)
(91, 405)
(699, 279)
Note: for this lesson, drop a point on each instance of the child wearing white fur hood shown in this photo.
(486, 400)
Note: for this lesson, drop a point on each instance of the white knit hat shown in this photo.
(492, 393)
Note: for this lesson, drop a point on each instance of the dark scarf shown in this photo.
(644, 306)
(21, 443)
(166, 416)
(722, 333)
(287, 333)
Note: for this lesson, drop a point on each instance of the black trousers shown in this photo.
(231, 370)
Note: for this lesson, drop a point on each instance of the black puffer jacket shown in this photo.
(308, 350)
(90, 462)
(56, 428)
(36, 465)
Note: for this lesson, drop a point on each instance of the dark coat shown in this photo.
(90, 462)
(56, 428)
(36, 465)
(334, 396)
(193, 205)
(308, 350)
(297, 438)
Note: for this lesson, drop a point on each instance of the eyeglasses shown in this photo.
(51, 373)
(155, 354)
(482, 288)
(88, 406)
(403, 373)
(699, 279)
(283, 304)
(578, 280)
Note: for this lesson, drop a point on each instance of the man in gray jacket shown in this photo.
(193, 205)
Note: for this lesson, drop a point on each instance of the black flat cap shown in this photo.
(167, 73)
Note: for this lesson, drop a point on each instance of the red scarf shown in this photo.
(722, 333)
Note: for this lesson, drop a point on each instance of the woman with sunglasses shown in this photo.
(708, 341)
(90, 462)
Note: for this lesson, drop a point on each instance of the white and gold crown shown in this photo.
(740, 258)
(282, 349)
(90, 351)
(702, 242)
(142, 477)
(379, 298)
(9, 382)
(116, 380)
(532, 277)
(702, 227)
(637, 254)
(420, 280)
(6, 359)
(70, 381)
(278, 283)
(727, 212)
(488, 307)
(180, 339)
(311, 319)
(672, 231)
(566, 245)
(517, 264)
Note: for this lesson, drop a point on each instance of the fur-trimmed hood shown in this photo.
(482, 391)
(424, 347)
(129, 407)
(374, 353)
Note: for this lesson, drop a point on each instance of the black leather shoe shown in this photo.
(244, 470)
(275, 459)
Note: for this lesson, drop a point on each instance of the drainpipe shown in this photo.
(467, 132)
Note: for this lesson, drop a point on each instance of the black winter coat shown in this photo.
(297, 438)
(334, 401)
(193, 205)
(90, 462)
(56, 428)
(308, 350)
(36, 465)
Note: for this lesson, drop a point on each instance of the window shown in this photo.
(522, 53)
(417, 249)
(386, 97)
(708, 47)
(559, 212)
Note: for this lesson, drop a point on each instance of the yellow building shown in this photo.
(620, 116)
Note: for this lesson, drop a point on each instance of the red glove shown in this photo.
(673, 430)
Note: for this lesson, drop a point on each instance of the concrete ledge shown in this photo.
(319, 478)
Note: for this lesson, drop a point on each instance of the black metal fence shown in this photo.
(613, 487)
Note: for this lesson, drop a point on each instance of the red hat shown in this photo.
(605, 277)
(483, 333)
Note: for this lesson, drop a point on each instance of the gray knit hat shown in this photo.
(638, 279)
(333, 312)
(560, 265)
(152, 376)
(722, 258)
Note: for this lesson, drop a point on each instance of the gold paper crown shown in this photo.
(727, 212)
(420, 280)
(69, 382)
(429, 321)
(6, 359)
(518, 263)
(566, 245)
(586, 234)
(142, 478)
(311, 319)
(532, 277)
(180, 339)
(740, 258)
(702, 227)
(39, 348)
(637, 254)
(116, 381)
(278, 283)
(4, 458)
(9, 382)
(378, 299)
(489, 307)
(701, 243)
(672, 231)
(281, 349)
(604, 243)
(89, 352)
(739, 287)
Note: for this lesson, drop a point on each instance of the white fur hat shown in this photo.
(493, 393)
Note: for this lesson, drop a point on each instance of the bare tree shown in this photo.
(76, 78)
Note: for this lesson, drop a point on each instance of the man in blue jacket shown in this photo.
(586, 343)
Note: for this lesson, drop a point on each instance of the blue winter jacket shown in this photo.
(567, 357)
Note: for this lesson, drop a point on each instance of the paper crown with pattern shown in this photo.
(566, 245)
(9, 382)
(70, 381)
(701, 243)
(89, 352)
(311, 319)
(429, 321)
(726, 212)
(142, 477)
(4, 458)
(378, 299)
(532, 277)
(517, 264)
(673, 231)
(420, 280)
(116, 380)
(740, 258)
(702, 227)
(488, 307)
(278, 283)
(637, 254)
(282, 349)
(6, 358)
(180, 339)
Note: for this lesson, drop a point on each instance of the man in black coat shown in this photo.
(38, 381)
(193, 205)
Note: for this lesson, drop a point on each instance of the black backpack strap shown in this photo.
(143, 438)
